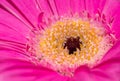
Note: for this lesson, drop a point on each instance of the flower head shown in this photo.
(44, 40)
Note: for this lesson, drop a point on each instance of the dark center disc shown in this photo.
(72, 44)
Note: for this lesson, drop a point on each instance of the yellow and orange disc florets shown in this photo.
(56, 44)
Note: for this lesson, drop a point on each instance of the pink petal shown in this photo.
(113, 52)
(83, 73)
(91, 6)
(77, 6)
(113, 12)
(19, 70)
(109, 68)
(116, 25)
(45, 7)
(12, 28)
(106, 71)
(10, 53)
(28, 10)
(63, 7)
(12, 34)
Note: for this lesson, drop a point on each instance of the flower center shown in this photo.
(69, 43)
(72, 44)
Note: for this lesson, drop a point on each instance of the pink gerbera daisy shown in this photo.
(59, 40)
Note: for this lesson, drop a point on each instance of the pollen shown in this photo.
(69, 43)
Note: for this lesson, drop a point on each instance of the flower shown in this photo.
(59, 40)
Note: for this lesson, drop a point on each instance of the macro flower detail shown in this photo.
(71, 43)
(57, 40)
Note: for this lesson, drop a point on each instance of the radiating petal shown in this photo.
(83, 73)
(19, 70)
(12, 34)
(109, 68)
(12, 54)
(113, 12)
(89, 6)
(63, 7)
(16, 30)
(106, 71)
(116, 25)
(92, 6)
(28, 9)
(46, 7)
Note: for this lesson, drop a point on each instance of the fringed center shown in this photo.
(69, 43)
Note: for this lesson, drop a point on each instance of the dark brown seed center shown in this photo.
(72, 44)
